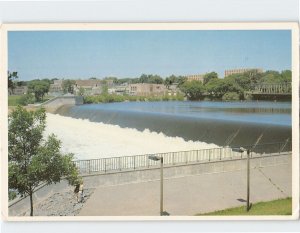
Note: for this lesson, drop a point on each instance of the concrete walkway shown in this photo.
(191, 194)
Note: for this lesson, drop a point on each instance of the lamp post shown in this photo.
(156, 158)
(241, 150)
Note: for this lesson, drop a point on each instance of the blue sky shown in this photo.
(85, 54)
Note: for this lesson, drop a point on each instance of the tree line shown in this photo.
(232, 87)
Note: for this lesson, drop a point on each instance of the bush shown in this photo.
(110, 98)
(11, 195)
(229, 96)
(26, 99)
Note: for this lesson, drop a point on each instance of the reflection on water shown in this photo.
(222, 123)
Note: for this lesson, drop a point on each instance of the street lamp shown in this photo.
(241, 150)
(156, 158)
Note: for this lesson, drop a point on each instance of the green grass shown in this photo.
(13, 100)
(276, 207)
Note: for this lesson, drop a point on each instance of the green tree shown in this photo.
(193, 90)
(240, 79)
(144, 78)
(209, 76)
(26, 99)
(81, 91)
(286, 76)
(68, 86)
(38, 88)
(173, 79)
(33, 159)
(253, 75)
(218, 87)
(12, 77)
(168, 82)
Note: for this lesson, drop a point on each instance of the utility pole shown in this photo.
(161, 187)
(248, 180)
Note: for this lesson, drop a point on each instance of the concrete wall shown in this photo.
(19, 206)
(53, 104)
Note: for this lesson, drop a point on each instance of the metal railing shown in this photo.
(137, 162)
(274, 88)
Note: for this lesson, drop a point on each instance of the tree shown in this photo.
(168, 82)
(194, 90)
(209, 76)
(179, 80)
(286, 76)
(38, 88)
(81, 91)
(144, 78)
(12, 77)
(32, 159)
(68, 86)
(218, 87)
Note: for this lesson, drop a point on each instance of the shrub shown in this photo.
(11, 195)
(229, 96)
(26, 99)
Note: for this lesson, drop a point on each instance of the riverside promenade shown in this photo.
(192, 194)
(188, 189)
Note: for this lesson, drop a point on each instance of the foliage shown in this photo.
(150, 78)
(109, 98)
(33, 159)
(286, 76)
(216, 88)
(193, 90)
(275, 207)
(13, 100)
(26, 99)
(81, 91)
(11, 195)
(230, 96)
(104, 89)
(241, 80)
(12, 77)
(68, 86)
(39, 88)
(209, 76)
(179, 80)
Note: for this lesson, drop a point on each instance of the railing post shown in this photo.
(134, 162)
(220, 153)
(197, 156)
(104, 165)
(89, 167)
(147, 161)
(120, 164)
(173, 161)
(208, 155)
(186, 159)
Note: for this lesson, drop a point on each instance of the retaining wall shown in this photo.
(53, 104)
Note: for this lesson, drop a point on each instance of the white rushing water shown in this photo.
(92, 140)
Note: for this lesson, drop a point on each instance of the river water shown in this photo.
(220, 123)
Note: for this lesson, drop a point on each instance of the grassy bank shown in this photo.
(275, 207)
(13, 100)
(109, 98)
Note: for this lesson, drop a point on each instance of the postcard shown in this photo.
(150, 121)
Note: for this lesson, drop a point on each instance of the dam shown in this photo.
(219, 123)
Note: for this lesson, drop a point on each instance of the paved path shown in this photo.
(190, 195)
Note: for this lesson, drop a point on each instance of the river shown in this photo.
(220, 123)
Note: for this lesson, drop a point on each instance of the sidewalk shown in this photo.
(192, 194)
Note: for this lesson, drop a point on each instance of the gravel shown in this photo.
(60, 204)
